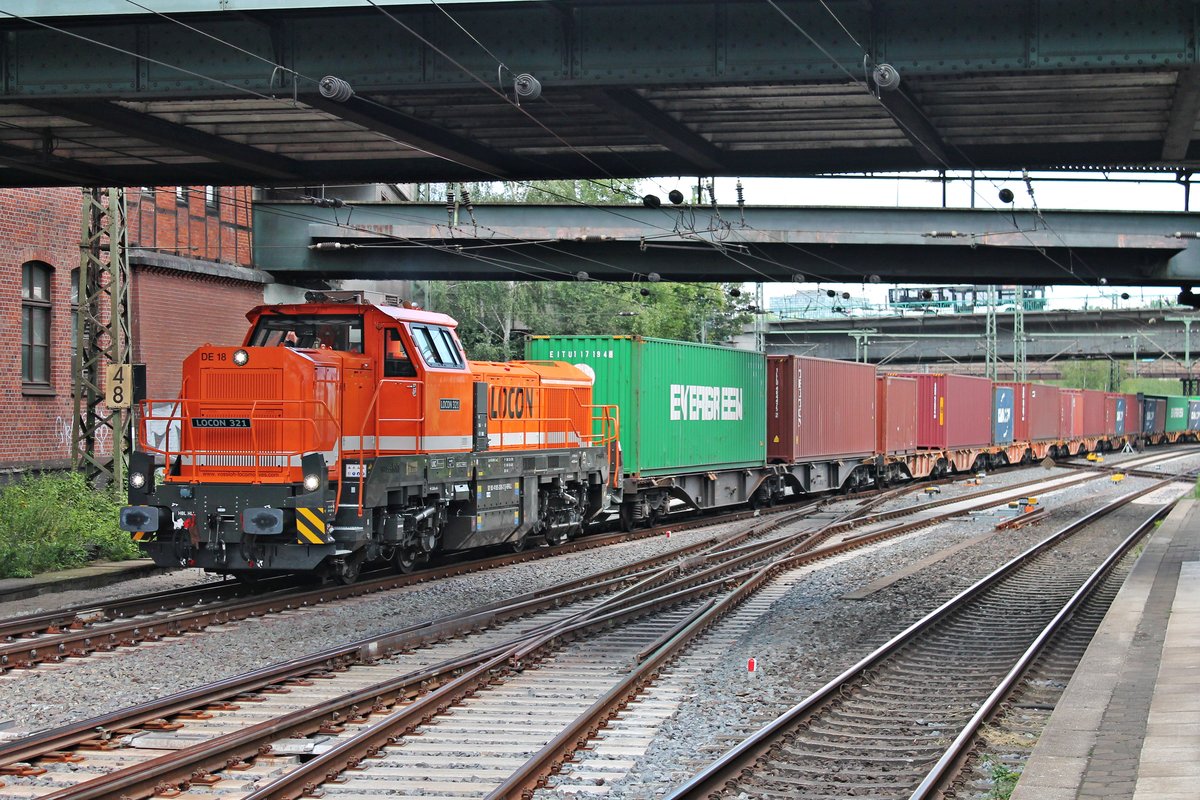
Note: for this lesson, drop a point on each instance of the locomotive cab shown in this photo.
(340, 434)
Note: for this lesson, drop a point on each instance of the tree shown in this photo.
(493, 315)
(1087, 375)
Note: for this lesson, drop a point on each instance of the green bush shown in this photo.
(1004, 780)
(51, 522)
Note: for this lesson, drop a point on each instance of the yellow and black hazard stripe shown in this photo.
(310, 527)
(141, 536)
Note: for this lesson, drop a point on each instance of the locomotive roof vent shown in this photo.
(360, 297)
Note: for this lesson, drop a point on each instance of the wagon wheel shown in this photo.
(561, 536)
(520, 543)
(405, 560)
(628, 522)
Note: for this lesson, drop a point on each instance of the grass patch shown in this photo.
(1196, 491)
(1004, 780)
(51, 522)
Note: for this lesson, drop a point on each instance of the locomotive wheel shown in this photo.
(346, 573)
(404, 561)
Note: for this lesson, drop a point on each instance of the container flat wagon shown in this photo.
(954, 423)
(692, 420)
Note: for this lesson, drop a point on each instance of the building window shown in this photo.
(181, 193)
(210, 197)
(35, 324)
(74, 315)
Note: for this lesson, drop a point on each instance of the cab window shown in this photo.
(396, 361)
(317, 332)
(436, 345)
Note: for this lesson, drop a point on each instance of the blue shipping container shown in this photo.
(1150, 409)
(1002, 416)
(1194, 415)
(1119, 422)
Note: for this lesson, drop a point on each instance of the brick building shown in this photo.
(193, 281)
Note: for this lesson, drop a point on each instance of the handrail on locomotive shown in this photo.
(286, 465)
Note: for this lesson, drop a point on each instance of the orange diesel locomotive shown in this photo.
(341, 433)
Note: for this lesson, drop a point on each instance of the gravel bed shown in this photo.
(811, 635)
(33, 699)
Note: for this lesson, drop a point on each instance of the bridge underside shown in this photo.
(304, 244)
(629, 89)
(1155, 338)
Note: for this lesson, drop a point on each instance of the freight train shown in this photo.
(341, 433)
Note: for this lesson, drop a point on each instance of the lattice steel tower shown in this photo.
(103, 337)
(989, 335)
(1020, 368)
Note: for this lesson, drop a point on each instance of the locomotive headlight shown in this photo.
(137, 480)
(240, 357)
(312, 483)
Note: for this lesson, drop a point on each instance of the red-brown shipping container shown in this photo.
(819, 408)
(1133, 415)
(1111, 409)
(1070, 405)
(896, 415)
(1035, 411)
(953, 411)
(1093, 413)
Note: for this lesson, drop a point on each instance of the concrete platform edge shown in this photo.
(93, 576)
(1078, 715)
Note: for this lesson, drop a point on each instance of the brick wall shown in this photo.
(176, 312)
(192, 228)
(36, 225)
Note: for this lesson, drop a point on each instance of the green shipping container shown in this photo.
(1177, 413)
(684, 407)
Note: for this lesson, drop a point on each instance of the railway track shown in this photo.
(1005, 743)
(137, 737)
(77, 631)
(126, 757)
(296, 736)
(882, 728)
